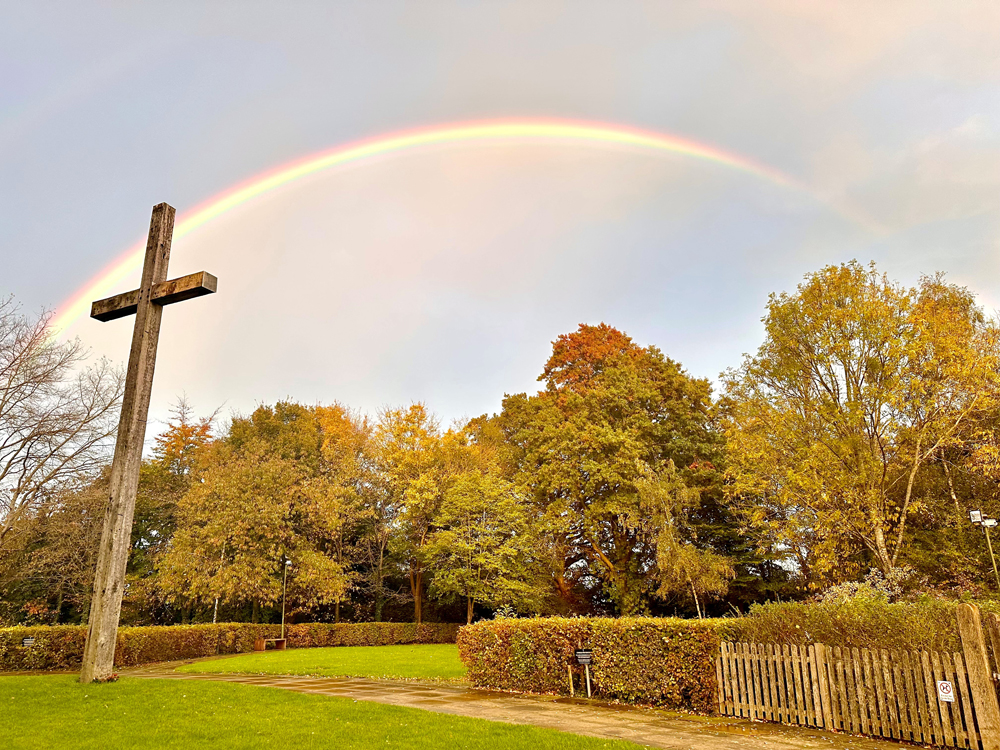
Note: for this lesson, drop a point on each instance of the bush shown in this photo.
(866, 622)
(56, 647)
(61, 647)
(659, 661)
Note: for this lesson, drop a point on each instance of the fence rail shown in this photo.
(891, 694)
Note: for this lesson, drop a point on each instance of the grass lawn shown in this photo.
(427, 661)
(58, 712)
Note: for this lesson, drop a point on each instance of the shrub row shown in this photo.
(657, 661)
(924, 625)
(61, 647)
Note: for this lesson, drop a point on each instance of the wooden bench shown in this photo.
(280, 644)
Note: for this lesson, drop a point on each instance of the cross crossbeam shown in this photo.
(165, 293)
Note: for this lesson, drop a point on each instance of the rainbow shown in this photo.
(109, 280)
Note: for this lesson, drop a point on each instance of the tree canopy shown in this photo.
(849, 447)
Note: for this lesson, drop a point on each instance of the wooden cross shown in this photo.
(146, 303)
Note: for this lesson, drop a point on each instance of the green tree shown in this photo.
(666, 505)
(483, 548)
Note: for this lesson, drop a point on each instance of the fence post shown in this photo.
(993, 630)
(984, 695)
(824, 688)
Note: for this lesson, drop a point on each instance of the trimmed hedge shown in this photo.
(61, 647)
(657, 661)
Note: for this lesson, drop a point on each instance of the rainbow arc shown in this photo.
(544, 130)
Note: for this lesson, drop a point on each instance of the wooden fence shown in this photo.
(882, 693)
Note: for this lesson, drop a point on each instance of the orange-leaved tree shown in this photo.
(612, 413)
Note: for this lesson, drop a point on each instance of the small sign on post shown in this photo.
(946, 691)
(25, 642)
(584, 657)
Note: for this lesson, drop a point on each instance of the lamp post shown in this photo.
(284, 587)
(976, 516)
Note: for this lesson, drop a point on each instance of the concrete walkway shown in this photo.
(650, 727)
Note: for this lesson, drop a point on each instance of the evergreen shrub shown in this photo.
(61, 647)
(666, 662)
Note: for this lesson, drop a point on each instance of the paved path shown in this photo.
(645, 726)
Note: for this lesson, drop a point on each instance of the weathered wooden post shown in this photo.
(146, 303)
(992, 627)
(825, 710)
(977, 664)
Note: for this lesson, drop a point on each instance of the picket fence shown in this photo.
(875, 692)
(883, 693)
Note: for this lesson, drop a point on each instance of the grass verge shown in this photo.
(421, 662)
(135, 714)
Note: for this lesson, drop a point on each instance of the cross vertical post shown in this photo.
(147, 303)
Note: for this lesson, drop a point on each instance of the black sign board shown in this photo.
(27, 641)
(584, 656)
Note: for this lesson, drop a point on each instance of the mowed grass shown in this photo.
(428, 662)
(134, 714)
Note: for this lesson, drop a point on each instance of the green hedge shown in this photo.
(61, 647)
(658, 661)
(924, 625)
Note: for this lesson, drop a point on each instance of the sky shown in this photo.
(442, 274)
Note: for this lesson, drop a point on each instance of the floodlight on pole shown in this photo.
(977, 517)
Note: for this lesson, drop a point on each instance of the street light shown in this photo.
(976, 516)
(284, 586)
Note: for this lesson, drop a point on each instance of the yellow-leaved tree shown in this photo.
(859, 384)
(271, 490)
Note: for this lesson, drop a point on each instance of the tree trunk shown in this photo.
(416, 588)
(379, 579)
(951, 488)
(336, 611)
(255, 615)
(468, 618)
(694, 593)
(905, 509)
(85, 609)
(881, 550)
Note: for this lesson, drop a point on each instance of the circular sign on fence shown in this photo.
(946, 691)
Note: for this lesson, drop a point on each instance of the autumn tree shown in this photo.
(376, 558)
(410, 450)
(333, 496)
(860, 385)
(612, 413)
(51, 575)
(164, 478)
(253, 509)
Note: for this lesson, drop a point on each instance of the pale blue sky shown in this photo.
(443, 276)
